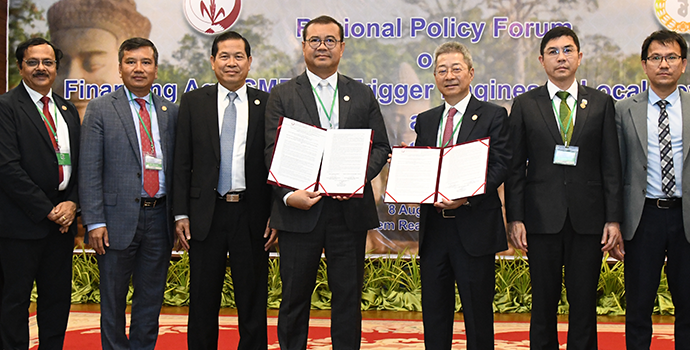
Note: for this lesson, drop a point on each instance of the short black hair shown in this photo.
(230, 35)
(665, 37)
(21, 50)
(323, 20)
(135, 43)
(557, 32)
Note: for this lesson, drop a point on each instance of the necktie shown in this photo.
(326, 103)
(52, 132)
(564, 116)
(147, 148)
(448, 130)
(668, 177)
(227, 142)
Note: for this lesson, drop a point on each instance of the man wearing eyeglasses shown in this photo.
(654, 133)
(309, 224)
(39, 152)
(459, 238)
(564, 192)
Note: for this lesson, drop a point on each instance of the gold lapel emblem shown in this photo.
(474, 117)
(64, 108)
(257, 102)
(346, 98)
(583, 104)
(164, 108)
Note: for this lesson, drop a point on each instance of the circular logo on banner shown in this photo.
(673, 14)
(212, 16)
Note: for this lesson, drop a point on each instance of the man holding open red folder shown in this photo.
(458, 238)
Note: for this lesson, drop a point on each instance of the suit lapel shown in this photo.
(31, 110)
(638, 115)
(253, 119)
(344, 108)
(307, 95)
(210, 119)
(124, 112)
(469, 120)
(685, 104)
(581, 114)
(163, 125)
(547, 114)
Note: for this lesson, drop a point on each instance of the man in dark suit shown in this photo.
(566, 204)
(308, 223)
(459, 238)
(127, 148)
(654, 136)
(39, 152)
(222, 200)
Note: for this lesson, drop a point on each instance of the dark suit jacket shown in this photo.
(480, 226)
(111, 168)
(541, 194)
(197, 161)
(29, 176)
(358, 110)
(631, 121)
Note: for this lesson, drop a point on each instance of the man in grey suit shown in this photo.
(128, 142)
(653, 132)
(309, 224)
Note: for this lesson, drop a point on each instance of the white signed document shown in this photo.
(345, 162)
(333, 162)
(429, 174)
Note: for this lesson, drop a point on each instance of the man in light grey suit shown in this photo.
(654, 136)
(128, 141)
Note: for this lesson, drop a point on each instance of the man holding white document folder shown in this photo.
(458, 238)
(308, 223)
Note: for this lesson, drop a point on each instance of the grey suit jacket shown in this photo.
(631, 123)
(111, 179)
(358, 110)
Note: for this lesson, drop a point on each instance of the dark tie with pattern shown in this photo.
(52, 132)
(668, 175)
(151, 184)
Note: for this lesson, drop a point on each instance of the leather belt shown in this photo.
(664, 203)
(448, 213)
(232, 197)
(152, 202)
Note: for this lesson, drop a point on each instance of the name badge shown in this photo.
(565, 155)
(63, 158)
(153, 163)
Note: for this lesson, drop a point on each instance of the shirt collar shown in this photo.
(672, 99)
(461, 106)
(131, 97)
(241, 92)
(553, 89)
(35, 95)
(314, 79)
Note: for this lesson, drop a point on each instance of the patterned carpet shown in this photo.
(83, 333)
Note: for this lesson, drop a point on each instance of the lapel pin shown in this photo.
(583, 104)
(257, 102)
(474, 117)
(346, 98)
(64, 108)
(164, 108)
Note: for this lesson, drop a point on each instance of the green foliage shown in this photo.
(21, 22)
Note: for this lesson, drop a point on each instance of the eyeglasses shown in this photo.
(315, 42)
(670, 59)
(46, 63)
(567, 52)
(443, 71)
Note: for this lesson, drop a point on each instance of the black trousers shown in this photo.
(581, 256)
(208, 259)
(659, 236)
(444, 261)
(300, 256)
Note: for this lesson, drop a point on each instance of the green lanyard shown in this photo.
(52, 131)
(328, 114)
(452, 137)
(567, 127)
(148, 133)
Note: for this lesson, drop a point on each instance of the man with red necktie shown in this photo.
(39, 147)
(128, 144)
